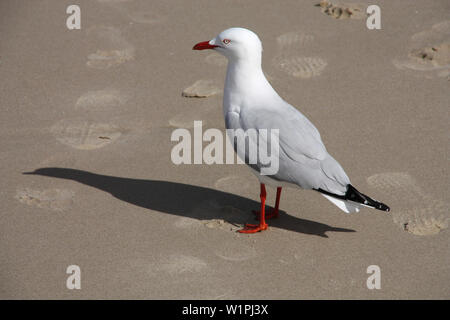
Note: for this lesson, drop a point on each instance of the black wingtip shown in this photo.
(354, 195)
(382, 207)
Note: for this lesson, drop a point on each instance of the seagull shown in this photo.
(250, 102)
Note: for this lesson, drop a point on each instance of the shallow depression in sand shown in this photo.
(185, 121)
(176, 264)
(340, 10)
(288, 60)
(187, 223)
(234, 251)
(54, 199)
(438, 32)
(115, 49)
(419, 213)
(429, 51)
(201, 89)
(437, 56)
(101, 100)
(294, 38)
(104, 59)
(85, 135)
(301, 67)
(233, 184)
(213, 215)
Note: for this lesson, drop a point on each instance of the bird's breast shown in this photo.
(231, 103)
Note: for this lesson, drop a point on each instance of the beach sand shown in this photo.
(93, 110)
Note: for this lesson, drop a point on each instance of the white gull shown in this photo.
(250, 102)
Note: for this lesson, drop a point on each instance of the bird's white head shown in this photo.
(235, 44)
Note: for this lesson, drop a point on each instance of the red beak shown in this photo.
(203, 45)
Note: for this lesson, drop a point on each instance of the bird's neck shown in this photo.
(245, 80)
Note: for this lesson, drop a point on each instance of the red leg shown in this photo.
(273, 213)
(277, 202)
(252, 228)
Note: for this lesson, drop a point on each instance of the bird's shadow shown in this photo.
(183, 200)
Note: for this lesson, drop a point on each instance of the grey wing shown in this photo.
(303, 158)
(298, 137)
(233, 121)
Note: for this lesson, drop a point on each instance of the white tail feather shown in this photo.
(346, 206)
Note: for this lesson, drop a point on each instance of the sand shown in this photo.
(91, 113)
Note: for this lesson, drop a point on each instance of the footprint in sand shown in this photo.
(101, 100)
(419, 213)
(54, 199)
(437, 32)
(429, 51)
(433, 57)
(298, 39)
(84, 135)
(212, 215)
(115, 50)
(216, 59)
(301, 67)
(179, 269)
(187, 223)
(343, 10)
(289, 61)
(186, 121)
(233, 184)
(178, 264)
(234, 251)
(228, 218)
(201, 89)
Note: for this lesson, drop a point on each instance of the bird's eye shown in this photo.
(226, 41)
